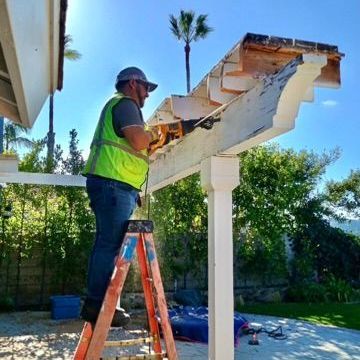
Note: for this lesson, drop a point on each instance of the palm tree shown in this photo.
(185, 29)
(72, 55)
(12, 136)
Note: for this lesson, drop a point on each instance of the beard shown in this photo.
(140, 97)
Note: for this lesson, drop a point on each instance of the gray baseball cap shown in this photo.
(134, 73)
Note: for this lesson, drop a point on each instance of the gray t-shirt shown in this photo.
(126, 113)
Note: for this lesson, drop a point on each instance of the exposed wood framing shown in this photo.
(268, 110)
(263, 55)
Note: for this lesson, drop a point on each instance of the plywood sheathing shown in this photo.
(265, 55)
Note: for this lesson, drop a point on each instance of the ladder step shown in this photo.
(140, 226)
(129, 342)
(137, 357)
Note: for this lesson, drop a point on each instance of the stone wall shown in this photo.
(30, 276)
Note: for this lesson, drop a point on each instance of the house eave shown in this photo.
(31, 56)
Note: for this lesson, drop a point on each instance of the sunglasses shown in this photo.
(144, 84)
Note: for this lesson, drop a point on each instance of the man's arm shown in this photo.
(139, 138)
(128, 123)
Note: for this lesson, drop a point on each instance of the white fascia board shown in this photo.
(54, 49)
(262, 113)
(42, 179)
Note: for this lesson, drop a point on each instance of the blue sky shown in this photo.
(113, 34)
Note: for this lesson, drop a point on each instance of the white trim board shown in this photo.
(42, 179)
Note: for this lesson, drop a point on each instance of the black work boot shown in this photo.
(90, 312)
(121, 318)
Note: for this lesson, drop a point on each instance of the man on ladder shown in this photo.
(116, 169)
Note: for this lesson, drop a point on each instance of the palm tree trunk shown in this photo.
(187, 64)
(50, 135)
(1, 134)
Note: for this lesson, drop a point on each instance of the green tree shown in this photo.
(13, 136)
(72, 55)
(75, 238)
(322, 251)
(74, 163)
(179, 212)
(26, 220)
(345, 195)
(51, 225)
(186, 28)
(277, 196)
(275, 185)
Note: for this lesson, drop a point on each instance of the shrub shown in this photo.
(6, 303)
(307, 292)
(331, 290)
(338, 290)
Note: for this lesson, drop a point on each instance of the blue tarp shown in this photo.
(191, 324)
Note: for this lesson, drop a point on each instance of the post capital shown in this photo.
(220, 173)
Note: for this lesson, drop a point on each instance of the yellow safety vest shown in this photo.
(112, 156)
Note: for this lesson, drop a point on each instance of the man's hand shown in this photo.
(163, 137)
(138, 138)
(155, 135)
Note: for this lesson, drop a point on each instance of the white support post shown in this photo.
(219, 176)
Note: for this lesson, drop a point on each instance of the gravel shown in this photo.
(33, 335)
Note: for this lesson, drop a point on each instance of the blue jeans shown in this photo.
(112, 203)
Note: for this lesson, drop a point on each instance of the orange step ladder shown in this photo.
(93, 337)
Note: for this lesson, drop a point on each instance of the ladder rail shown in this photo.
(149, 297)
(84, 341)
(160, 294)
(93, 338)
(113, 292)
